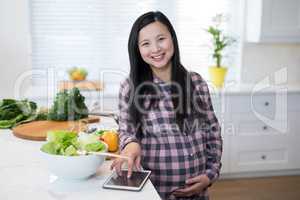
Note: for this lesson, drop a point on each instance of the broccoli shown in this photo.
(68, 105)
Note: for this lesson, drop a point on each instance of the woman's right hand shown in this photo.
(133, 152)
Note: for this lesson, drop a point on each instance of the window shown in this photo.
(192, 18)
(94, 33)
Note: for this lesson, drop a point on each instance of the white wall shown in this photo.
(14, 44)
(262, 60)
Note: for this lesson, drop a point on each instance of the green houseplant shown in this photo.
(219, 41)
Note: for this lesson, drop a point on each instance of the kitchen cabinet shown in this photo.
(273, 21)
(264, 132)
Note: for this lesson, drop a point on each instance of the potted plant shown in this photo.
(219, 42)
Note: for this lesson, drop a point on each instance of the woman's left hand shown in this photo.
(194, 186)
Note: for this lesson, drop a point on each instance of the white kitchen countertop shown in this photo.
(24, 176)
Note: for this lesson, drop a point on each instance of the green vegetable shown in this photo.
(71, 151)
(60, 143)
(64, 138)
(68, 105)
(11, 122)
(34, 117)
(13, 112)
(10, 108)
(96, 146)
(51, 148)
(67, 143)
(60, 136)
(6, 124)
(99, 132)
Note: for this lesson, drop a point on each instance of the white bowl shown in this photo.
(73, 167)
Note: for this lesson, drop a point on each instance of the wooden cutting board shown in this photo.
(37, 130)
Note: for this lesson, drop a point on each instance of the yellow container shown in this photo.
(217, 76)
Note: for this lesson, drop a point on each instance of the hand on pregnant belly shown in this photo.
(193, 186)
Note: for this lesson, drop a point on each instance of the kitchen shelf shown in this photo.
(82, 85)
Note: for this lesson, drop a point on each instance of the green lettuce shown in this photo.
(96, 146)
(67, 143)
(51, 148)
(71, 151)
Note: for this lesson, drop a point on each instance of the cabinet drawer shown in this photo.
(255, 103)
(258, 128)
(250, 124)
(261, 160)
(248, 157)
(261, 153)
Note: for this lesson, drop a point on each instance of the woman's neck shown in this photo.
(163, 73)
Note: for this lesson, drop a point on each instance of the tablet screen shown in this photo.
(137, 179)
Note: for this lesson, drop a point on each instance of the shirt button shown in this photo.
(191, 155)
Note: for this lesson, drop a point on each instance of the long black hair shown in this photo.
(140, 71)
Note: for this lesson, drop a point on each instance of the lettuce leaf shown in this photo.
(96, 146)
(71, 151)
(51, 148)
(67, 143)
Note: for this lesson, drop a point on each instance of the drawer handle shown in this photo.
(263, 157)
(267, 103)
(265, 128)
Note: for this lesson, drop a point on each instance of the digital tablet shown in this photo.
(134, 183)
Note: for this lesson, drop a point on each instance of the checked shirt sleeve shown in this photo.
(213, 146)
(127, 130)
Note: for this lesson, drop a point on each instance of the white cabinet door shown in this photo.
(294, 139)
(273, 21)
(263, 153)
(293, 102)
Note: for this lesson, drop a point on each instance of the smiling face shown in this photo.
(156, 46)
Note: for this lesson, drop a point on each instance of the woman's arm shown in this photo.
(129, 144)
(213, 140)
(127, 129)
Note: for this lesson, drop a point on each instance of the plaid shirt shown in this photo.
(174, 156)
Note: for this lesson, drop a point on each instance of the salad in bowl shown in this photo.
(61, 153)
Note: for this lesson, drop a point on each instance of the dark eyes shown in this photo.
(145, 44)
